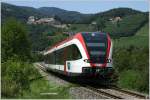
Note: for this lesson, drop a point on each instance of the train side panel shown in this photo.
(74, 67)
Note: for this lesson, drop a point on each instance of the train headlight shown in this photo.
(86, 60)
(108, 60)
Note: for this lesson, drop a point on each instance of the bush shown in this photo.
(132, 64)
(15, 40)
(58, 38)
(37, 57)
(16, 76)
(133, 80)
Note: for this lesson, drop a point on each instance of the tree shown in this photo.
(58, 19)
(15, 40)
(100, 24)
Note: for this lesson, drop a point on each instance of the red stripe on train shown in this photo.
(80, 38)
(108, 49)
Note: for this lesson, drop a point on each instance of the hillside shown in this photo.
(122, 12)
(65, 16)
(22, 13)
(18, 12)
(131, 60)
(143, 31)
(128, 24)
(139, 40)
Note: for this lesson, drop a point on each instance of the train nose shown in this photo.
(97, 71)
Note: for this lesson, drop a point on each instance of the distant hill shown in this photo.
(18, 12)
(66, 16)
(121, 12)
(128, 25)
(22, 13)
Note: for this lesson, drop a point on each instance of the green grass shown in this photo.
(43, 86)
(131, 79)
(141, 39)
(138, 41)
(143, 31)
(22, 80)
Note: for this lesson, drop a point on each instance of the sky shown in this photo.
(84, 6)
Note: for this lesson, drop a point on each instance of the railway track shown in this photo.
(108, 95)
(135, 94)
(111, 92)
(117, 93)
(41, 67)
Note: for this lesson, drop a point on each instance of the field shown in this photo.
(139, 40)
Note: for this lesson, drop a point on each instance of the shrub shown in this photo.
(132, 64)
(16, 76)
(15, 40)
(133, 80)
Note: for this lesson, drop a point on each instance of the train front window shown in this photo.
(97, 45)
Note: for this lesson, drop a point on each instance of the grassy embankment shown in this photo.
(22, 80)
(131, 60)
(36, 87)
(43, 89)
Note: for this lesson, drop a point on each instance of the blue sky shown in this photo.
(84, 6)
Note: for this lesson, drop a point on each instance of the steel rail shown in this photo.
(109, 95)
(138, 95)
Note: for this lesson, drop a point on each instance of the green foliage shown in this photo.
(22, 13)
(80, 28)
(39, 35)
(139, 40)
(16, 76)
(143, 31)
(37, 57)
(42, 86)
(132, 65)
(121, 12)
(100, 24)
(18, 12)
(56, 39)
(15, 40)
(133, 80)
(127, 58)
(131, 60)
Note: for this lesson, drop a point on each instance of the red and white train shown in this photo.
(85, 53)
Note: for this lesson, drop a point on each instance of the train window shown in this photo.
(76, 53)
(73, 53)
(60, 56)
(45, 59)
(50, 58)
(97, 46)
